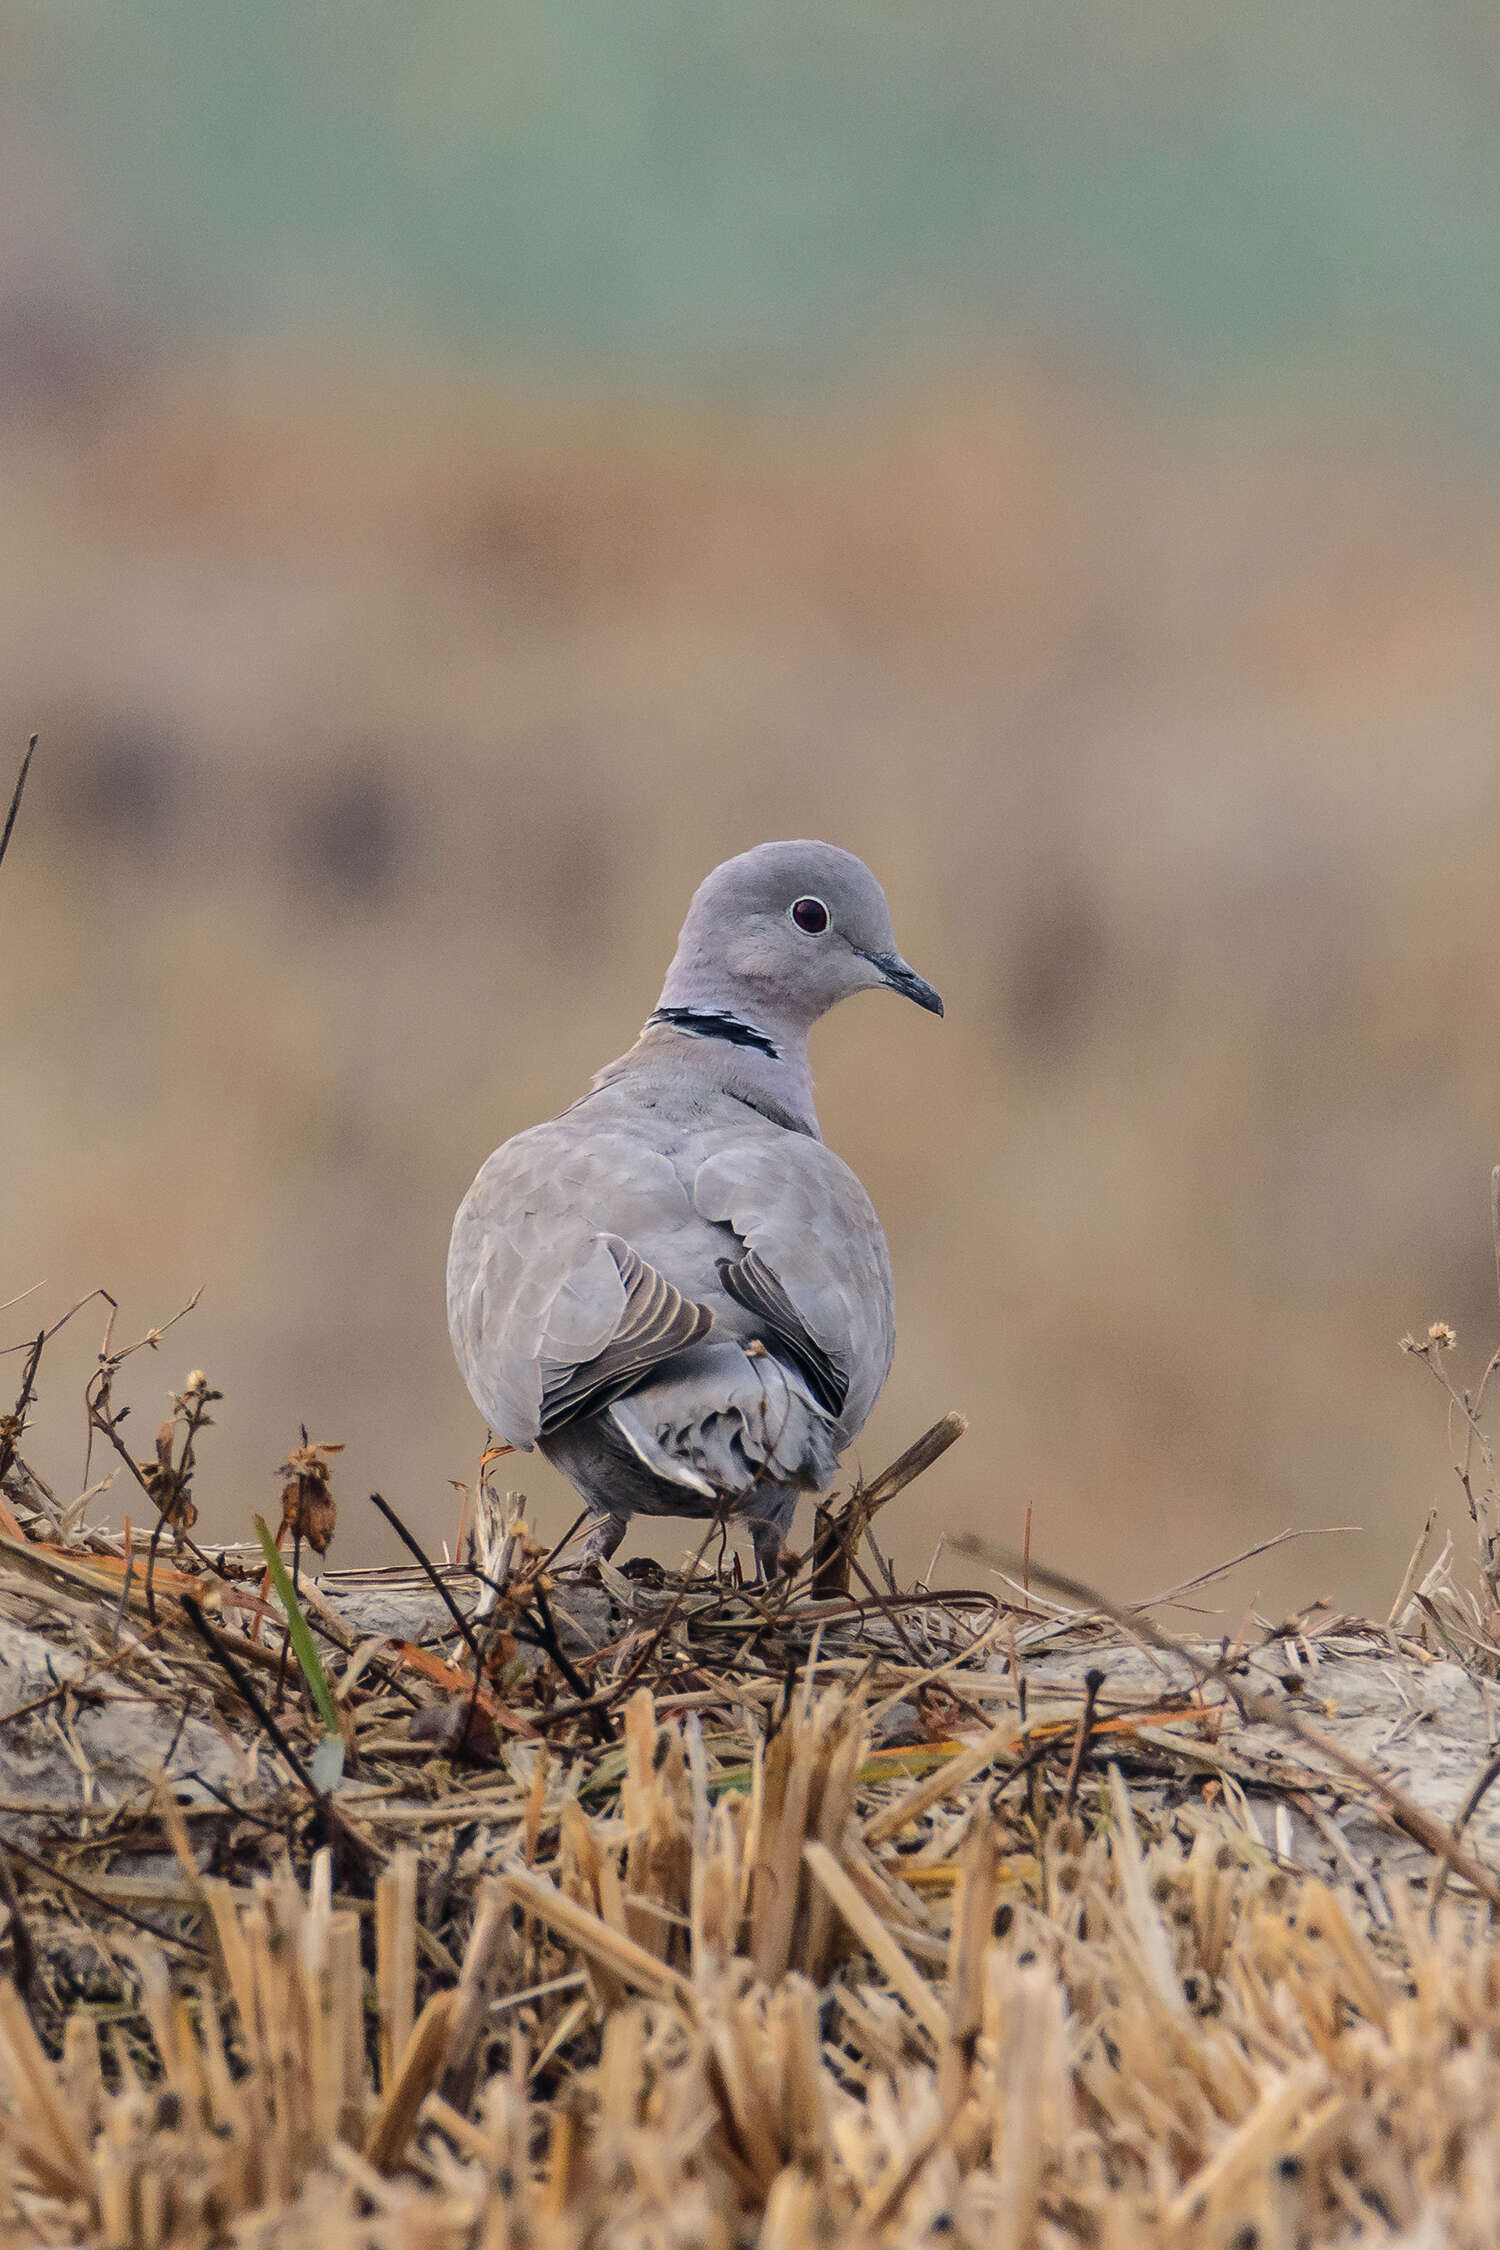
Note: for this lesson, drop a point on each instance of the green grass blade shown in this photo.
(303, 1645)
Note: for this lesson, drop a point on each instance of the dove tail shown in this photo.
(723, 1420)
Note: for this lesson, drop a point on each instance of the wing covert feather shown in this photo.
(551, 1311)
(814, 1233)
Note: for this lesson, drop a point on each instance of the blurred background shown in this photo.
(467, 469)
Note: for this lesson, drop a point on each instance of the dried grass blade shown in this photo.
(417, 2073)
(952, 1776)
(921, 1998)
(1150, 1930)
(595, 1938)
(54, 2146)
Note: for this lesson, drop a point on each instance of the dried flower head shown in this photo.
(167, 1481)
(196, 1395)
(1439, 1338)
(307, 1504)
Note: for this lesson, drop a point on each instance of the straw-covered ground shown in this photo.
(488, 1905)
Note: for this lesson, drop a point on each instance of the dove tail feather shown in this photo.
(721, 1420)
(726, 1420)
(721, 1426)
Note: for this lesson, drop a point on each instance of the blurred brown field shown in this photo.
(389, 719)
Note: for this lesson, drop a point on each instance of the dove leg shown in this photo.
(768, 1535)
(768, 1543)
(604, 1536)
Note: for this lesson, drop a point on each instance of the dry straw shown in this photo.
(1121, 2038)
(800, 1916)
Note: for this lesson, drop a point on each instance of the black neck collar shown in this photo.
(716, 1023)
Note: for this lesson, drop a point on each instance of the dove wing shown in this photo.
(551, 1311)
(815, 1270)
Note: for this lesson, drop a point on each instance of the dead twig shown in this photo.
(12, 1424)
(23, 1958)
(827, 1567)
(107, 1906)
(1093, 1681)
(244, 1687)
(430, 1571)
(15, 796)
(1421, 1826)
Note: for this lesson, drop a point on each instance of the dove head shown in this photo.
(777, 936)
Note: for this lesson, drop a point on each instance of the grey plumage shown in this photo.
(675, 1288)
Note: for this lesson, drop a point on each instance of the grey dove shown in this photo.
(675, 1289)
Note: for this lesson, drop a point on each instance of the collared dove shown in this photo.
(675, 1289)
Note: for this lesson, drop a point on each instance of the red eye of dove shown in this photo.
(811, 915)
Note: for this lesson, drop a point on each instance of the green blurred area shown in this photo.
(760, 197)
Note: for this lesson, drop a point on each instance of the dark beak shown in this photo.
(903, 978)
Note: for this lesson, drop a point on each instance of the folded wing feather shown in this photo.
(657, 1322)
(552, 1313)
(817, 1273)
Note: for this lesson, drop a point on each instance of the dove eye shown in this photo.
(810, 914)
